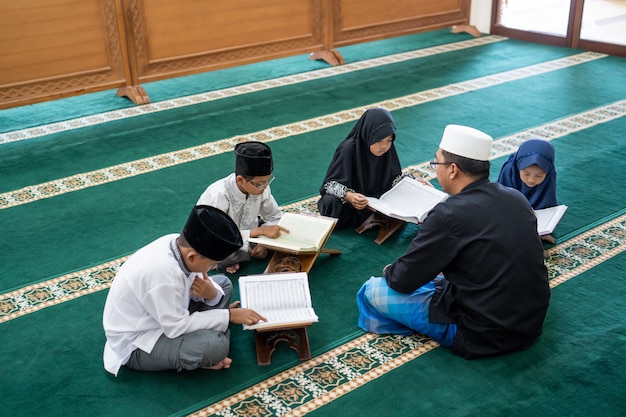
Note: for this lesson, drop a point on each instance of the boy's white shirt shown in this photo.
(150, 297)
(243, 209)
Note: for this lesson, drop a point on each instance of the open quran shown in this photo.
(409, 200)
(284, 299)
(307, 233)
(549, 218)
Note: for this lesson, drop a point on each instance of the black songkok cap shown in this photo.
(212, 233)
(253, 159)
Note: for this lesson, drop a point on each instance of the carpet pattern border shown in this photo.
(564, 261)
(327, 377)
(118, 172)
(312, 384)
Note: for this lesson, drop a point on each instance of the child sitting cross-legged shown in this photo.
(247, 198)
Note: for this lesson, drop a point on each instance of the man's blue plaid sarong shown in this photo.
(383, 310)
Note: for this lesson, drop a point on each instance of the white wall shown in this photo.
(480, 15)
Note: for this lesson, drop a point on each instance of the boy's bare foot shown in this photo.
(259, 252)
(232, 269)
(223, 364)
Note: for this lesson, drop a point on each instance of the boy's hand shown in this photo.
(272, 231)
(240, 315)
(203, 287)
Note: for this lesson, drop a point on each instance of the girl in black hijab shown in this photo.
(365, 165)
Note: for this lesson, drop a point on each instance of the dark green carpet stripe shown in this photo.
(304, 384)
(575, 369)
(209, 119)
(505, 146)
(91, 370)
(48, 163)
(167, 189)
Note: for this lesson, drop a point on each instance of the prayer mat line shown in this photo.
(190, 100)
(586, 250)
(310, 385)
(563, 261)
(313, 384)
(35, 297)
(81, 181)
(503, 146)
(509, 144)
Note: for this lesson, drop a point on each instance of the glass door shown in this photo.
(595, 25)
(603, 23)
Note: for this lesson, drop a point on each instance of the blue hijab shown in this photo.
(538, 152)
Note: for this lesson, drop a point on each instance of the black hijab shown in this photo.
(354, 166)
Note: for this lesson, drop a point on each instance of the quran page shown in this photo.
(284, 299)
(549, 218)
(307, 233)
(408, 200)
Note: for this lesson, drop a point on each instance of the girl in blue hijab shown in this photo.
(531, 171)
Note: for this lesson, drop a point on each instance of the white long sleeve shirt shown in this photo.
(243, 209)
(149, 297)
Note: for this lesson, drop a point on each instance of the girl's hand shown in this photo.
(358, 201)
(423, 181)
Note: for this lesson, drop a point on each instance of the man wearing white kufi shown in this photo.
(473, 279)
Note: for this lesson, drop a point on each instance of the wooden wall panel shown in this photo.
(365, 20)
(188, 36)
(56, 48)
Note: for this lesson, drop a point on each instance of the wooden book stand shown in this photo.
(388, 226)
(287, 261)
(296, 336)
(266, 341)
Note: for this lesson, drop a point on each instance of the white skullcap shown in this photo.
(467, 142)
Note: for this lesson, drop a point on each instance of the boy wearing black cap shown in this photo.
(246, 196)
(164, 312)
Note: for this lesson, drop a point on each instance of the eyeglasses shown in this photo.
(433, 164)
(263, 186)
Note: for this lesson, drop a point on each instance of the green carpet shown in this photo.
(88, 180)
